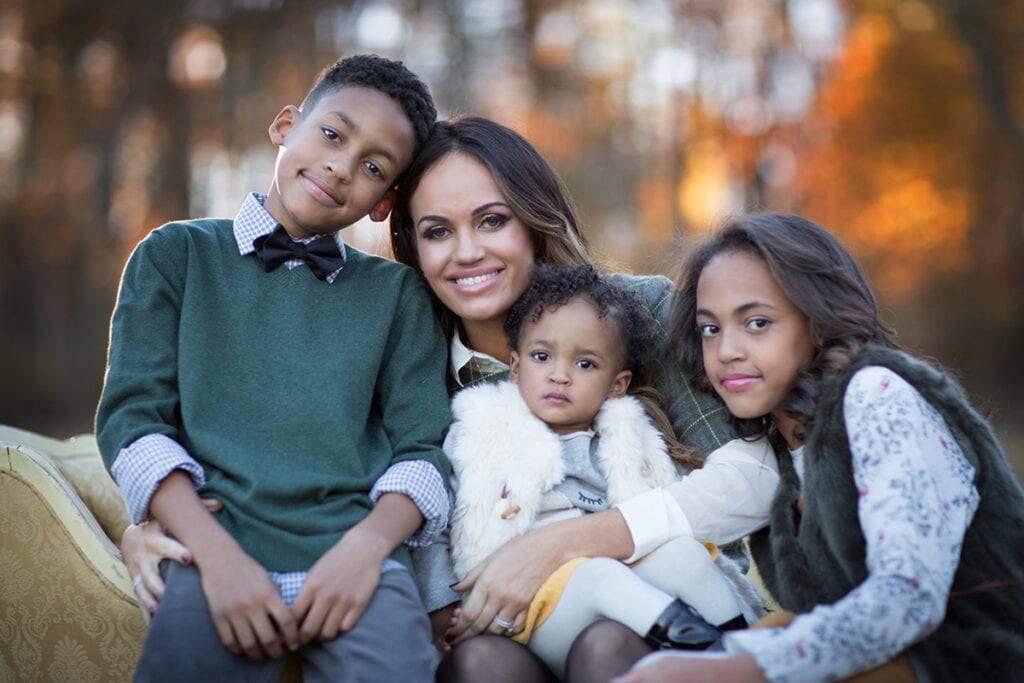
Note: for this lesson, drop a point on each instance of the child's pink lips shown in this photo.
(737, 382)
(556, 398)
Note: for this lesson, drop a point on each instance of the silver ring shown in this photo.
(507, 625)
(135, 582)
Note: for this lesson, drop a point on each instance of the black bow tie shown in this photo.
(321, 255)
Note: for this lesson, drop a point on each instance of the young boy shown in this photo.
(563, 438)
(309, 399)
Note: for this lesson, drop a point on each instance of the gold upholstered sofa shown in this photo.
(67, 609)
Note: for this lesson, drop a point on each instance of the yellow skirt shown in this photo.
(546, 599)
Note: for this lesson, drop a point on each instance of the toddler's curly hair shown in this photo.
(552, 286)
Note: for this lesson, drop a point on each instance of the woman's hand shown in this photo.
(143, 546)
(504, 584)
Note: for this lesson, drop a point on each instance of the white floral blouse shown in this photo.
(916, 501)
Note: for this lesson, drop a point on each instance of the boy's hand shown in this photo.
(440, 621)
(246, 606)
(338, 588)
(244, 603)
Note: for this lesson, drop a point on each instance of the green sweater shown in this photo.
(293, 394)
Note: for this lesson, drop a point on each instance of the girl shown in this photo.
(897, 531)
(561, 439)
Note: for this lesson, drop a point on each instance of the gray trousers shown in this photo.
(390, 642)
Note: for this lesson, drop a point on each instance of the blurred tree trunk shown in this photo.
(63, 258)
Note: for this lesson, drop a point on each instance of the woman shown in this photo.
(477, 208)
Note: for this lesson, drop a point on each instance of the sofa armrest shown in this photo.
(67, 594)
(79, 460)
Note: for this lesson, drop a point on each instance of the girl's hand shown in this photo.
(669, 668)
(506, 582)
(143, 546)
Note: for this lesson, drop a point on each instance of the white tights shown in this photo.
(602, 588)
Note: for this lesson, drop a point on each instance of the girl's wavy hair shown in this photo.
(552, 286)
(528, 183)
(821, 279)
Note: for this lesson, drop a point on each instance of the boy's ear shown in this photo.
(285, 119)
(513, 368)
(383, 208)
(620, 384)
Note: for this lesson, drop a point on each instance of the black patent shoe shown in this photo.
(679, 627)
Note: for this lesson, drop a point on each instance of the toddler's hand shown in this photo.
(440, 621)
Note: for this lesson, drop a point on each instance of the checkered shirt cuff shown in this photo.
(143, 464)
(420, 481)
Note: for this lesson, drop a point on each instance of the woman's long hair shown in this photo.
(821, 279)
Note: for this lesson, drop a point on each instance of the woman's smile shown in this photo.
(470, 281)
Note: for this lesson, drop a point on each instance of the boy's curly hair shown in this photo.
(552, 286)
(390, 77)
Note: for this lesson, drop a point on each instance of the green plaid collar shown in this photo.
(471, 367)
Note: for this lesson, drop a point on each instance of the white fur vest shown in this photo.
(505, 459)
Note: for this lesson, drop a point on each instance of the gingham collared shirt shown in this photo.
(141, 466)
(253, 222)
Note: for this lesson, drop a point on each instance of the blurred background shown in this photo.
(899, 124)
